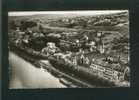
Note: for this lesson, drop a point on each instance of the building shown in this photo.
(50, 49)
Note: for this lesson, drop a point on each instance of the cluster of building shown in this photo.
(77, 58)
(100, 20)
(105, 72)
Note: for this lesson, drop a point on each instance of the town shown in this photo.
(83, 47)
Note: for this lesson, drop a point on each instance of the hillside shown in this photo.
(101, 38)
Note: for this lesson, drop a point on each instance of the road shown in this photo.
(25, 75)
(107, 29)
(64, 28)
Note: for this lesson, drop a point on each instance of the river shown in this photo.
(24, 75)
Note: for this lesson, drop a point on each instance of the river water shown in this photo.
(25, 75)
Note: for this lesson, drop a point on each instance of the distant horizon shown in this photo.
(87, 12)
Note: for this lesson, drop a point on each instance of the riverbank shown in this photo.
(25, 75)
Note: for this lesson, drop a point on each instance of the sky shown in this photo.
(87, 12)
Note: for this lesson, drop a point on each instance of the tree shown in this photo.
(41, 28)
(27, 24)
(12, 25)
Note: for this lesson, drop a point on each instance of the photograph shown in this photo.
(68, 49)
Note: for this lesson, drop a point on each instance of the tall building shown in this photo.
(100, 46)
